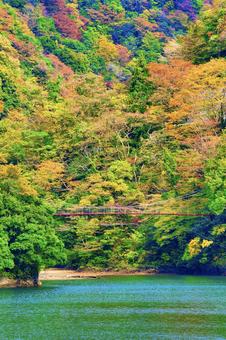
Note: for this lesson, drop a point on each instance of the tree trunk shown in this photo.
(36, 281)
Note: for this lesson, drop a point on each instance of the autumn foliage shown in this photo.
(112, 104)
(61, 14)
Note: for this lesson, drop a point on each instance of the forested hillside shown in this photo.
(112, 103)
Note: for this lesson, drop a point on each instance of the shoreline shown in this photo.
(55, 274)
(69, 274)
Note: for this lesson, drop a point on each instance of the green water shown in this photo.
(154, 307)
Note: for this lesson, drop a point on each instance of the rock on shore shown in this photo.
(12, 283)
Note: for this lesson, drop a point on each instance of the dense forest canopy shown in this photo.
(112, 102)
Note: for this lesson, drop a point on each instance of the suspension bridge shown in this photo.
(138, 210)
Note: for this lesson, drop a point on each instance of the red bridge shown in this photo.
(137, 210)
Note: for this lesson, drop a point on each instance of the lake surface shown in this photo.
(153, 307)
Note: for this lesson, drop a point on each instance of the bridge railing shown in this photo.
(124, 210)
(113, 210)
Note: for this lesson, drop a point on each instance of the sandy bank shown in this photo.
(66, 274)
(63, 274)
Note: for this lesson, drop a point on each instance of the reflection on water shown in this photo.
(154, 307)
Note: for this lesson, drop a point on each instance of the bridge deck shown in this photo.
(120, 211)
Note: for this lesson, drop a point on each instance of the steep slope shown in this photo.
(72, 133)
(103, 36)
